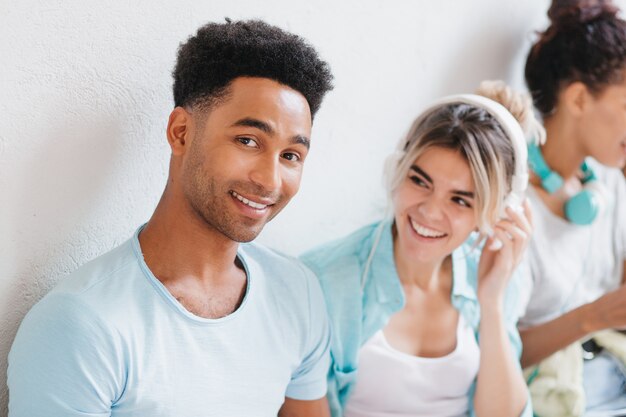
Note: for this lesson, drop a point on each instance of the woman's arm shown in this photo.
(607, 312)
(500, 387)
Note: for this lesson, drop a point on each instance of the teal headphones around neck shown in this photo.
(583, 207)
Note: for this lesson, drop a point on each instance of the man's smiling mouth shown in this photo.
(253, 204)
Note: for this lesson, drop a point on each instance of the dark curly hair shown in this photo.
(585, 42)
(220, 52)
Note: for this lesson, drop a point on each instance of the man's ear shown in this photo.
(575, 98)
(180, 127)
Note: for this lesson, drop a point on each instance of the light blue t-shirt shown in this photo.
(110, 340)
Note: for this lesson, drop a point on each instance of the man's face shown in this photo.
(245, 160)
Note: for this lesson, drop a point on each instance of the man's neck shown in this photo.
(178, 245)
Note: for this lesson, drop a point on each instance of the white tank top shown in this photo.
(393, 383)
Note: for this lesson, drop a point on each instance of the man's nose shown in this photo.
(266, 173)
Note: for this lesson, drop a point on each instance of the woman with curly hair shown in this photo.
(576, 73)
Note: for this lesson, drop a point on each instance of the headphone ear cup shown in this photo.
(600, 192)
(584, 207)
(514, 200)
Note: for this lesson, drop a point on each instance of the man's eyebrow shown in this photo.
(256, 123)
(266, 128)
(301, 140)
(420, 171)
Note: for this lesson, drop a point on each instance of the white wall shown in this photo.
(85, 96)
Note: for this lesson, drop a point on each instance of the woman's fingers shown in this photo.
(514, 232)
(498, 263)
(528, 213)
(517, 237)
(522, 219)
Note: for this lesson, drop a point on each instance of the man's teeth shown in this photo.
(248, 202)
(424, 231)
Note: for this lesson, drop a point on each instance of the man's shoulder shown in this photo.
(80, 308)
(268, 258)
(283, 277)
(116, 264)
(97, 289)
(279, 268)
(71, 338)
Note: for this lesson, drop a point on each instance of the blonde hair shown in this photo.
(479, 138)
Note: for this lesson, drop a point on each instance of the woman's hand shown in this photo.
(497, 265)
(608, 311)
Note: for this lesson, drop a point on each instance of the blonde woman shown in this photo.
(424, 316)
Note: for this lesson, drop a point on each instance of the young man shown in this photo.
(182, 320)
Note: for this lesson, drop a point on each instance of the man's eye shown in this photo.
(290, 156)
(417, 180)
(248, 142)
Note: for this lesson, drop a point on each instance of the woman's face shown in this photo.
(604, 126)
(434, 205)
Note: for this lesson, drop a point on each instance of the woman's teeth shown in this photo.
(424, 231)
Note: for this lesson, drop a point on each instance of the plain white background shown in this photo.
(85, 93)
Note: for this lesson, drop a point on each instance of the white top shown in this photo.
(111, 340)
(393, 383)
(570, 265)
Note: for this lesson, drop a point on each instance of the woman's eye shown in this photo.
(461, 202)
(290, 156)
(248, 142)
(417, 180)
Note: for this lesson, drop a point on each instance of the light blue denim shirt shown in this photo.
(358, 311)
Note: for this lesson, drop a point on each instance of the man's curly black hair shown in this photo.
(220, 52)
